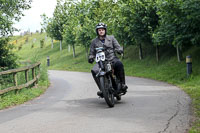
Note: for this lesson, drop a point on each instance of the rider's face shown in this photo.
(101, 32)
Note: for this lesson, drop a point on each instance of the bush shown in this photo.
(32, 46)
(42, 43)
(20, 47)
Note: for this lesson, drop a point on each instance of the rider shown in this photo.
(111, 45)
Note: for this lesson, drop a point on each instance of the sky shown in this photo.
(32, 18)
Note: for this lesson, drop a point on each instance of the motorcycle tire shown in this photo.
(107, 94)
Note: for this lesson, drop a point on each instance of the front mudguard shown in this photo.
(100, 73)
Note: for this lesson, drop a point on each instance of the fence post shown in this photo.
(38, 72)
(26, 75)
(15, 80)
(33, 75)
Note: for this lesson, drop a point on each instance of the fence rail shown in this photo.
(28, 83)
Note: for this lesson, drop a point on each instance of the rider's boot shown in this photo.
(119, 72)
(124, 87)
(99, 93)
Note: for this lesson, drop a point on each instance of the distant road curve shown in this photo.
(71, 105)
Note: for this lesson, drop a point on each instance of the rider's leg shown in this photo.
(95, 78)
(94, 72)
(119, 72)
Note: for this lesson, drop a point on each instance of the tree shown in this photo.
(70, 26)
(10, 11)
(58, 21)
(48, 27)
(169, 31)
(120, 26)
(190, 20)
(86, 28)
(143, 22)
(7, 58)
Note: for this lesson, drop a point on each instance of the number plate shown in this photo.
(100, 56)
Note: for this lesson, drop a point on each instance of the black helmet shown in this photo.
(101, 26)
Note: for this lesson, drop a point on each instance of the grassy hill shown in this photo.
(168, 69)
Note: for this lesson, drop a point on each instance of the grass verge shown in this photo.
(11, 99)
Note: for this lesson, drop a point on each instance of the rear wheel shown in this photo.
(107, 92)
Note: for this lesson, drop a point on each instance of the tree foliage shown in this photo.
(10, 12)
(152, 22)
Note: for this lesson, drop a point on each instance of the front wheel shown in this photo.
(107, 92)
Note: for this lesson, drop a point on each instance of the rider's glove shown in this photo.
(91, 60)
(120, 52)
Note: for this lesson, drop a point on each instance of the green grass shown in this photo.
(60, 60)
(167, 69)
(11, 98)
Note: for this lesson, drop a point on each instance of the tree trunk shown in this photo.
(74, 55)
(51, 42)
(69, 48)
(60, 45)
(140, 52)
(179, 53)
(157, 53)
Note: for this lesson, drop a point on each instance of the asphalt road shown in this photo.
(71, 105)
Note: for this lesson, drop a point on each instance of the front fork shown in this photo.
(108, 79)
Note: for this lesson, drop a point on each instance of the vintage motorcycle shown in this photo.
(109, 84)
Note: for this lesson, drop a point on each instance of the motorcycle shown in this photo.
(109, 83)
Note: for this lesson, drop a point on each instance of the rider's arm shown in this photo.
(92, 50)
(117, 47)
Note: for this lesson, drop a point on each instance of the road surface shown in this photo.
(70, 105)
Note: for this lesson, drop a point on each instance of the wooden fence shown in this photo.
(14, 73)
